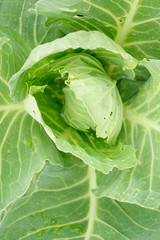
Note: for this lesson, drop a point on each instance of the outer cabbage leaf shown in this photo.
(24, 145)
(141, 128)
(21, 16)
(23, 141)
(134, 24)
(61, 205)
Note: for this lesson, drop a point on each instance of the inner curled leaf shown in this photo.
(91, 97)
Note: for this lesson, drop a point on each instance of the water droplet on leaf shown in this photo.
(88, 6)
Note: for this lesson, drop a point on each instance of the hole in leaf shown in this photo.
(79, 15)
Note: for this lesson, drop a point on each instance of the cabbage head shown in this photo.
(68, 87)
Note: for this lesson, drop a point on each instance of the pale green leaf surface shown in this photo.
(153, 67)
(62, 206)
(25, 21)
(23, 143)
(75, 113)
(141, 128)
(21, 138)
(134, 24)
(79, 22)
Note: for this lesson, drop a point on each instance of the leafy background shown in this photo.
(22, 140)
(46, 194)
(134, 24)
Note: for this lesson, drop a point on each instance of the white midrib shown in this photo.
(93, 202)
(136, 118)
(20, 18)
(124, 30)
(12, 107)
